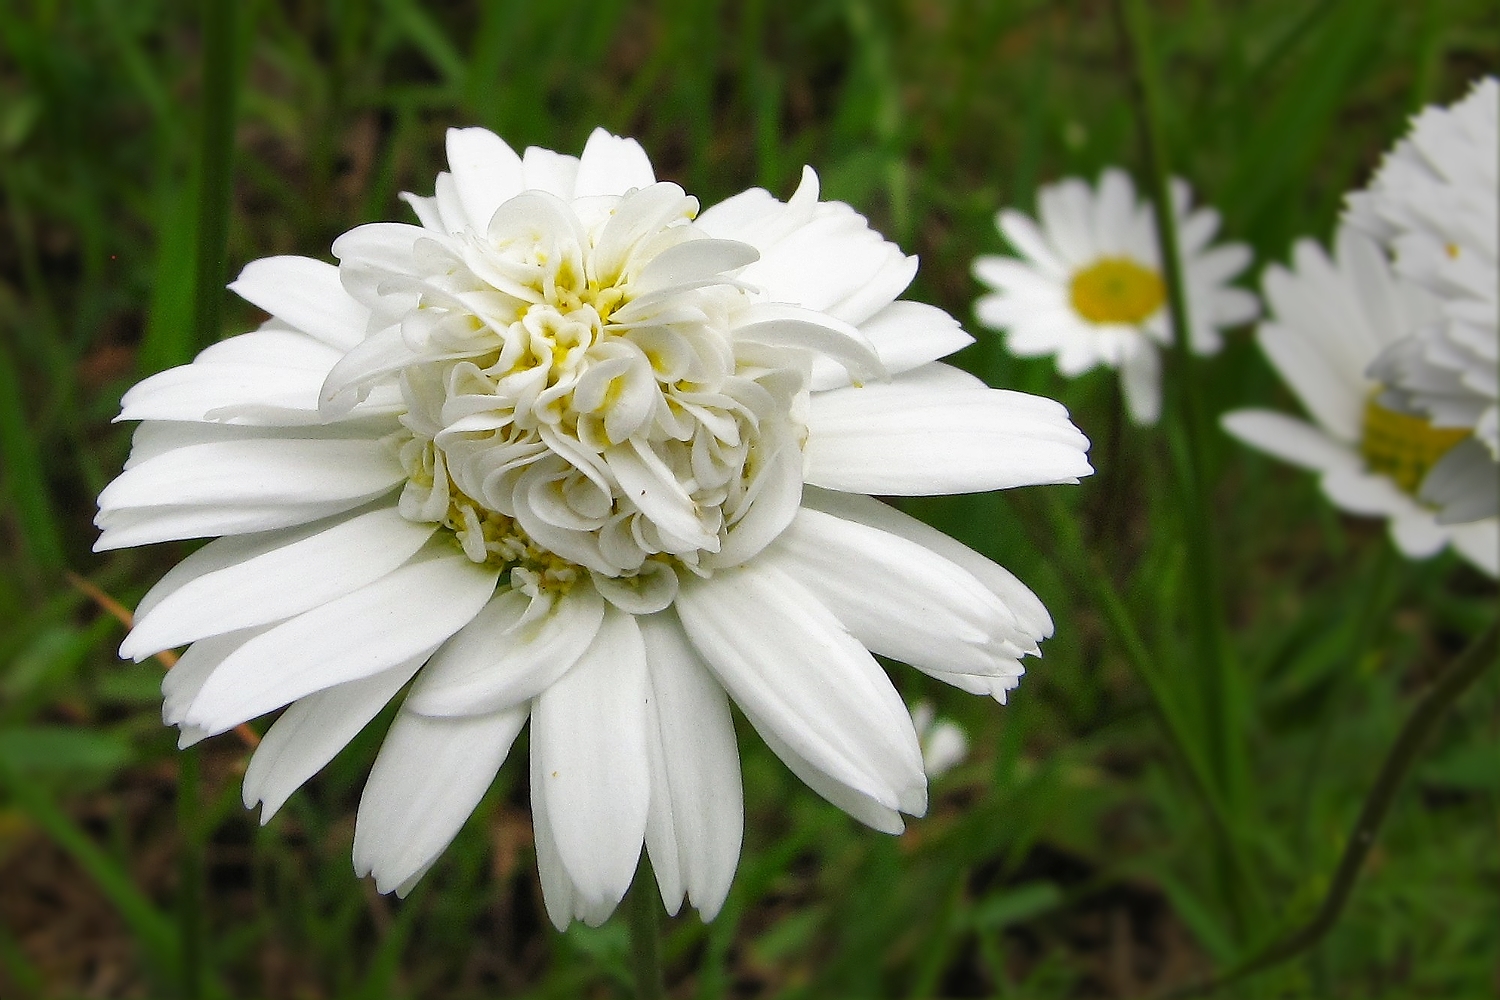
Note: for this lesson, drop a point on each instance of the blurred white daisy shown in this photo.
(568, 451)
(1435, 202)
(1330, 318)
(1088, 285)
(944, 743)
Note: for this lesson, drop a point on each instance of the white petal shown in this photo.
(486, 172)
(1140, 378)
(428, 778)
(589, 737)
(1418, 535)
(404, 613)
(612, 165)
(937, 375)
(125, 528)
(1353, 489)
(1066, 210)
(349, 381)
(305, 294)
(787, 662)
(907, 335)
(559, 894)
(1017, 597)
(276, 584)
(497, 660)
(274, 344)
(775, 506)
(658, 494)
(1022, 233)
(868, 809)
(1479, 543)
(312, 731)
(901, 599)
(792, 326)
(266, 472)
(203, 391)
(691, 262)
(878, 291)
(1289, 439)
(547, 171)
(192, 670)
(697, 813)
(909, 440)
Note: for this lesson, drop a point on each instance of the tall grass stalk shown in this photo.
(215, 175)
(216, 152)
(1213, 670)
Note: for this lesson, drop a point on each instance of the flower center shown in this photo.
(1404, 446)
(579, 405)
(1117, 290)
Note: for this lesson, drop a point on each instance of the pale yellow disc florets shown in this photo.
(1117, 290)
(1403, 446)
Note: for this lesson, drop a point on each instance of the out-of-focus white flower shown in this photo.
(1330, 318)
(1088, 285)
(1435, 202)
(570, 452)
(944, 743)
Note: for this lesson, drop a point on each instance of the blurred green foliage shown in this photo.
(1069, 856)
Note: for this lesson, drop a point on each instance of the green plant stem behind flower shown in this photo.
(1212, 670)
(645, 935)
(215, 174)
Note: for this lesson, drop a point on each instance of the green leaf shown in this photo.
(1015, 906)
(61, 750)
(25, 480)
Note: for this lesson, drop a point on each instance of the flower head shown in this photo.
(570, 452)
(1088, 286)
(1330, 319)
(1435, 203)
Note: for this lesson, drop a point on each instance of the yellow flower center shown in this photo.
(1403, 446)
(1117, 290)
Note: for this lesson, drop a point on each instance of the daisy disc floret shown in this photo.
(1329, 319)
(1087, 284)
(572, 452)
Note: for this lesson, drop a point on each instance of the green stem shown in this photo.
(1090, 573)
(645, 935)
(1213, 674)
(1434, 705)
(190, 875)
(216, 152)
(1182, 382)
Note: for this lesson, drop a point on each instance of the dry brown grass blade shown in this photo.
(166, 657)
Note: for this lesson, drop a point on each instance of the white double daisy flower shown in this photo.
(570, 452)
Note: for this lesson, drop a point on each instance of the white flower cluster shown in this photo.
(1392, 344)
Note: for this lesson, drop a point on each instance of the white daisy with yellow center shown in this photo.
(569, 452)
(1330, 319)
(1088, 285)
(1435, 203)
